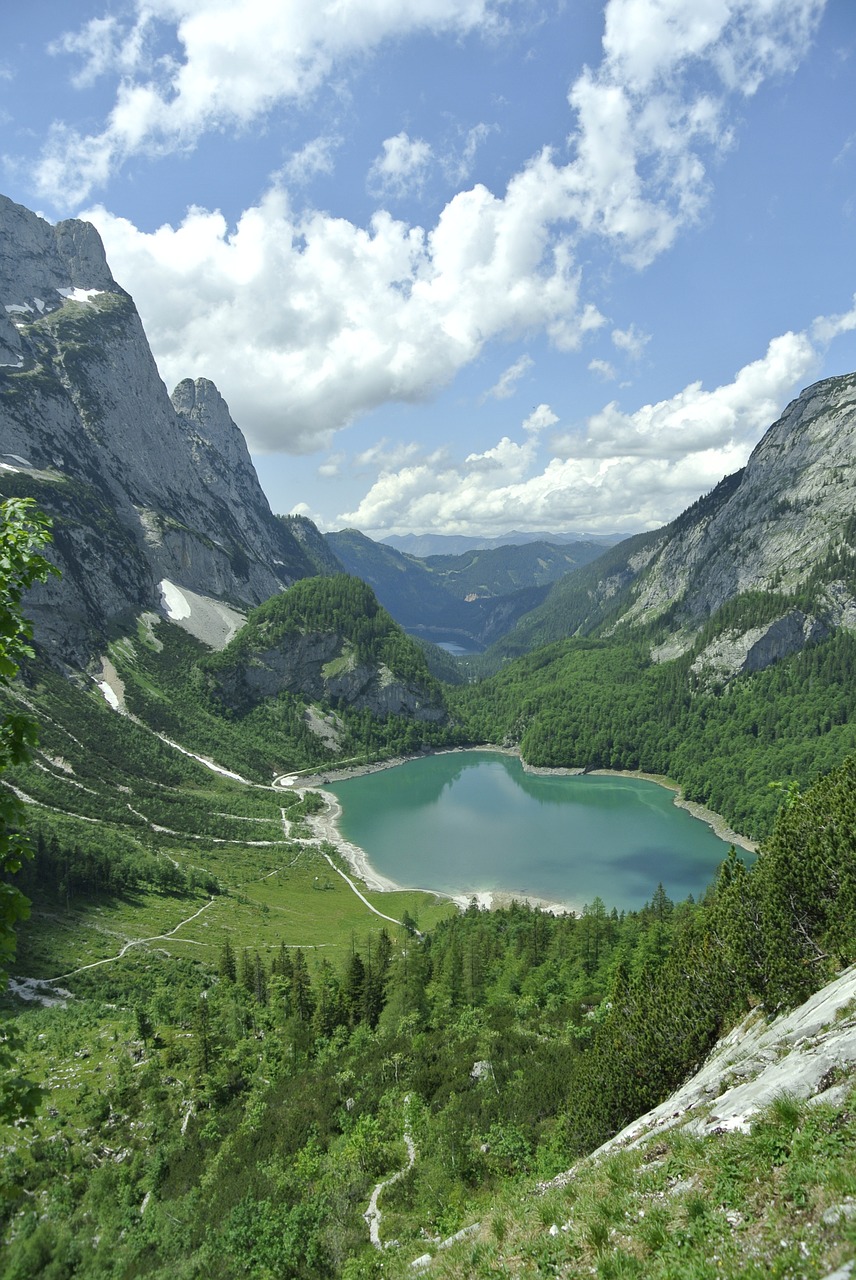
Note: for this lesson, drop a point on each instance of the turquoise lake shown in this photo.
(473, 821)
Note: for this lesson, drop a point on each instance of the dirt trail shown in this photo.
(361, 896)
(372, 1214)
(136, 942)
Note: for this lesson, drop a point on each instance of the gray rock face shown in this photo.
(140, 487)
(771, 527)
(734, 652)
(321, 665)
(38, 260)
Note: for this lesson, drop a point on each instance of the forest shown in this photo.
(231, 1119)
(220, 1049)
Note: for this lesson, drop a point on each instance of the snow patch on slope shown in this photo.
(109, 695)
(77, 295)
(209, 620)
(174, 601)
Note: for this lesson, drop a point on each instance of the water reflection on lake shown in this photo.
(473, 821)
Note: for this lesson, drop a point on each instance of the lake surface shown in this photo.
(473, 821)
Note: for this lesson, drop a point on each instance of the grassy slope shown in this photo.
(102, 781)
(686, 1208)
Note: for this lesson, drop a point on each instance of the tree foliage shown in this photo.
(23, 534)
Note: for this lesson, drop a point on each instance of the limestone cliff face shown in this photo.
(323, 667)
(141, 487)
(734, 652)
(787, 510)
(784, 520)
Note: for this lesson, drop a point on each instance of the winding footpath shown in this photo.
(324, 828)
(135, 942)
(361, 896)
(372, 1214)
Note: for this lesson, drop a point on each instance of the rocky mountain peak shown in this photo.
(209, 424)
(40, 264)
(141, 488)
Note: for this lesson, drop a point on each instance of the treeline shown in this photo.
(67, 872)
(603, 705)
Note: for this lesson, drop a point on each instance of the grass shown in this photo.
(765, 1204)
(275, 885)
(274, 897)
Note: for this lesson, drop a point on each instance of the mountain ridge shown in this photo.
(87, 426)
(782, 525)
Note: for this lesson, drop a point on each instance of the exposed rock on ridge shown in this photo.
(141, 488)
(789, 506)
(323, 667)
(734, 652)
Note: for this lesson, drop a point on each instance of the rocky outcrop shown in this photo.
(323, 667)
(141, 487)
(735, 652)
(776, 520)
(809, 1053)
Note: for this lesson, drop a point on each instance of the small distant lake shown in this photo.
(473, 821)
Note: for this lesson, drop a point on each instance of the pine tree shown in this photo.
(227, 968)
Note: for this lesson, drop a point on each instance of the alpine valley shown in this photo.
(224, 1054)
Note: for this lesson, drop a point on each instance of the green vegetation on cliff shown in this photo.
(338, 605)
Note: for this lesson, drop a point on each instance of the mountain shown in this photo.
(453, 544)
(499, 571)
(422, 599)
(759, 568)
(246, 1057)
(328, 640)
(142, 487)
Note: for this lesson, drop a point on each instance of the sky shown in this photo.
(462, 266)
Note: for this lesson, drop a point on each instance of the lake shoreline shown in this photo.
(325, 826)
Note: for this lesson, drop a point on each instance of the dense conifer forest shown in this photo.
(232, 1119)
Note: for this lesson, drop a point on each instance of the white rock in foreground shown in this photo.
(805, 1053)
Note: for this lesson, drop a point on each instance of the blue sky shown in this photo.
(463, 265)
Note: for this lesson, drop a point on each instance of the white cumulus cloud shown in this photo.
(506, 384)
(401, 167)
(316, 156)
(236, 62)
(620, 472)
(308, 321)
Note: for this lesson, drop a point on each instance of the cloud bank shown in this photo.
(621, 472)
(344, 318)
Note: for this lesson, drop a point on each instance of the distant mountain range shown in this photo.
(474, 597)
(455, 544)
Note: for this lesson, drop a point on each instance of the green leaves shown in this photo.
(23, 531)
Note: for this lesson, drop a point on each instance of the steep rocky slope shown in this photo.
(788, 1080)
(789, 508)
(329, 641)
(783, 526)
(141, 487)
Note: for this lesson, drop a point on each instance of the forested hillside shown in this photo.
(230, 1116)
(604, 704)
(432, 601)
